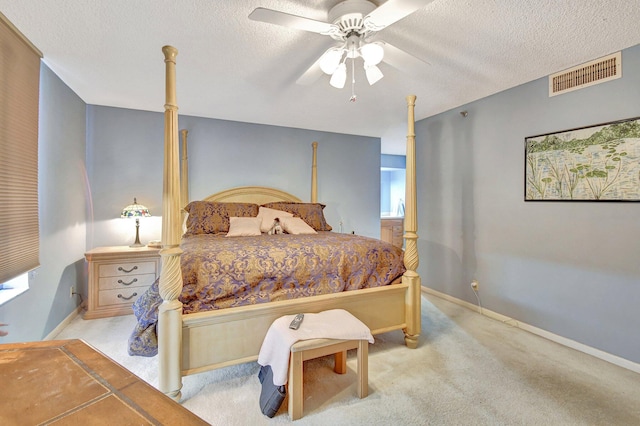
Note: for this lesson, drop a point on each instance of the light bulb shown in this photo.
(372, 53)
(339, 77)
(330, 60)
(373, 73)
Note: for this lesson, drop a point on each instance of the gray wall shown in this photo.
(124, 156)
(62, 194)
(566, 267)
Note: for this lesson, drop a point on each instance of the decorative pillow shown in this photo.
(309, 212)
(206, 217)
(269, 215)
(296, 226)
(244, 226)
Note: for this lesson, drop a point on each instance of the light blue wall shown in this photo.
(93, 160)
(125, 149)
(62, 194)
(570, 268)
(393, 161)
(566, 267)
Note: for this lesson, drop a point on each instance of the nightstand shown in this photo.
(392, 230)
(117, 277)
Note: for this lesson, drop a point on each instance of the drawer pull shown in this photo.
(129, 283)
(120, 268)
(127, 298)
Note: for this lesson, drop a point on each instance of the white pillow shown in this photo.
(296, 226)
(244, 226)
(269, 215)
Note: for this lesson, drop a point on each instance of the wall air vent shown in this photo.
(594, 72)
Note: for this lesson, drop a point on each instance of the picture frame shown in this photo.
(594, 163)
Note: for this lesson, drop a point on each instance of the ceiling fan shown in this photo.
(352, 23)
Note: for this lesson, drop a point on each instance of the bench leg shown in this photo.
(363, 368)
(340, 366)
(295, 386)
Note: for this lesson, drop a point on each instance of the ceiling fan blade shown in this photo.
(392, 11)
(271, 16)
(402, 60)
(311, 75)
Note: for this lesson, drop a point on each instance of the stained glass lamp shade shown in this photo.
(136, 210)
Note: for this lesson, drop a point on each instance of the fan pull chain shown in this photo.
(353, 81)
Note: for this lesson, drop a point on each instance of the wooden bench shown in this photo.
(309, 349)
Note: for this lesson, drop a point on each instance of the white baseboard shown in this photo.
(64, 323)
(605, 356)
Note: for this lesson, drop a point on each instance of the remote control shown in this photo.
(295, 324)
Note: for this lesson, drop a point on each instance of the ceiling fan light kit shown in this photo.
(372, 53)
(352, 23)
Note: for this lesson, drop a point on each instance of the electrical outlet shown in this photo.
(71, 291)
(474, 285)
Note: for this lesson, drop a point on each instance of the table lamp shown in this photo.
(136, 210)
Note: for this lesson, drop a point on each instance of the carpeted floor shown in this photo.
(467, 370)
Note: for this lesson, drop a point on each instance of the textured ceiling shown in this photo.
(233, 68)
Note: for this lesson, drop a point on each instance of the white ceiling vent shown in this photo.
(594, 72)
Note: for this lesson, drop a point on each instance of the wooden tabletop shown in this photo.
(70, 383)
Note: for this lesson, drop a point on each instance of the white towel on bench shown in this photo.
(331, 324)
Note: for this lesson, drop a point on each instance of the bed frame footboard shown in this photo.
(243, 329)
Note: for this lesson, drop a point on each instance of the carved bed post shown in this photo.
(170, 311)
(411, 277)
(314, 173)
(184, 178)
(184, 171)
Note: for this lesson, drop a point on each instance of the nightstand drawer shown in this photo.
(129, 268)
(121, 297)
(110, 283)
(118, 276)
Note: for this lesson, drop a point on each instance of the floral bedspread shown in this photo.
(220, 272)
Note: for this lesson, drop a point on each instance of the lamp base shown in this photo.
(137, 241)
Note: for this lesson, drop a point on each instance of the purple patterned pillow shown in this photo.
(207, 217)
(309, 212)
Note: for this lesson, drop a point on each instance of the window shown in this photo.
(13, 288)
(19, 92)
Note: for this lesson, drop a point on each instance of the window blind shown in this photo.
(19, 92)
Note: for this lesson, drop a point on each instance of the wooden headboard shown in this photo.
(252, 194)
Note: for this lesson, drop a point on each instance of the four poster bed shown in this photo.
(189, 343)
